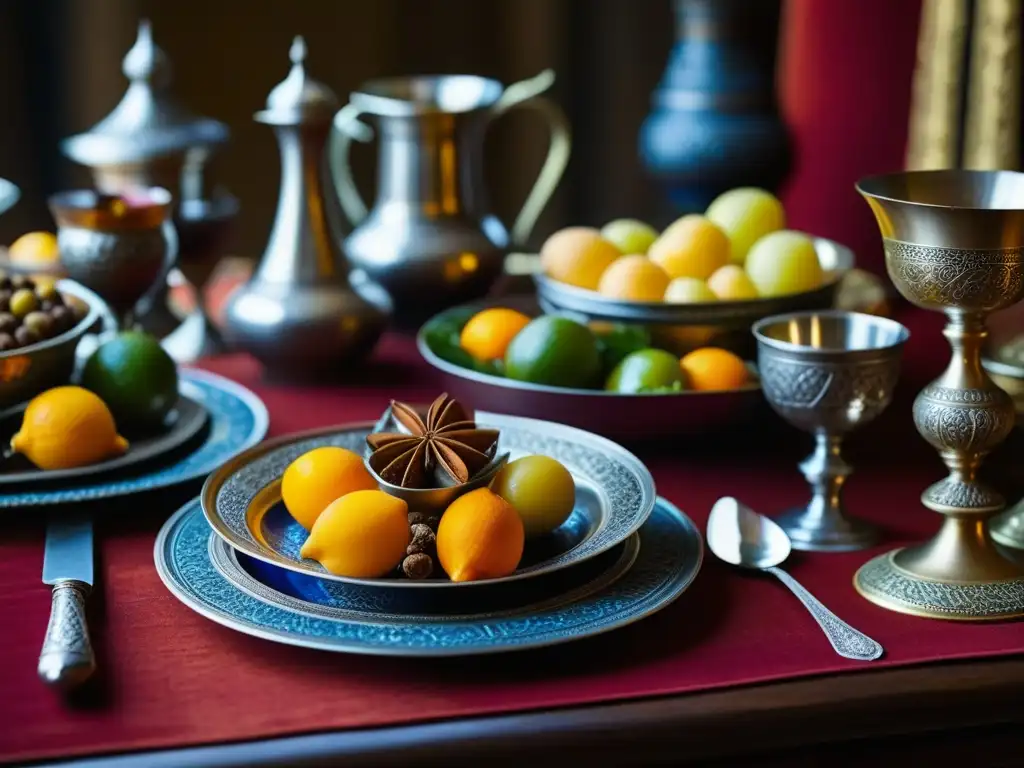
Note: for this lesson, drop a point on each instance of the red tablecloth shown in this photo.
(168, 677)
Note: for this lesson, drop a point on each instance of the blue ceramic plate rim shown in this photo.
(228, 493)
(616, 606)
(188, 377)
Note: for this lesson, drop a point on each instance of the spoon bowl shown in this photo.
(740, 536)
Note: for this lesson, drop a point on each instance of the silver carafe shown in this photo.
(430, 239)
(299, 315)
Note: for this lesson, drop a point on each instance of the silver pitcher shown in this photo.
(430, 239)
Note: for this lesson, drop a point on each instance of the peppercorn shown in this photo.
(424, 518)
(418, 566)
(423, 540)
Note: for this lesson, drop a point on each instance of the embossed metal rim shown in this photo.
(261, 421)
(864, 187)
(604, 538)
(786, 346)
(224, 559)
(570, 298)
(629, 606)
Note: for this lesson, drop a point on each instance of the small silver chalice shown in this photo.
(827, 373)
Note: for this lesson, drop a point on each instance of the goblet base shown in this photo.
(888, 582)
(811, 531)
(1008, 528)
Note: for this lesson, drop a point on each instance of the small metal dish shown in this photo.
(27, 371)
(682, 327)
(627, 418)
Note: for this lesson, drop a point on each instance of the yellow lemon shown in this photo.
(480, 536)
(634, 278)
(711, 369)
(577, 256)
(487, 334)
(362, 535)
(746, 214)
(732, 283)
(33, 248)
(691, 247)
(67, 427)
(320, 476)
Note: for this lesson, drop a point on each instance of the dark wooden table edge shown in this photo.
(679, 729)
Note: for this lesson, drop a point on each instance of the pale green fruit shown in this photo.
(542, 491)
(629, 235)
(688, 290)
(746, 214)
(784, 262)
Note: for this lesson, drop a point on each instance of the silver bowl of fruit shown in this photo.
(704, 280)
(42, 323)
(505, 355)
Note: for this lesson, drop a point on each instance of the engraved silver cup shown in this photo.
(827, 373)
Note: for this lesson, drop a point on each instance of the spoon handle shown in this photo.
(846, 640)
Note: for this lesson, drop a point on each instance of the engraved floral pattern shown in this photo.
(956, 494)
(670, 556)
(969, 420)
(977, 280)
(880, 579)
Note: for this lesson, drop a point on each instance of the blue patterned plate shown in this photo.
(614, 496)
(238, 420)
(670, 556)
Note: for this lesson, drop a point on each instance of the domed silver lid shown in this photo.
(299, 99)
(148, 122)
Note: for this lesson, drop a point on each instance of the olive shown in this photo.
(22, 302)
(5, 299)
(45, 305)
(62, 319)
(25, 336)
(7, 342)
(39, 322)
(8, 322)
(46, 290)
(5, 280)
(21, 281)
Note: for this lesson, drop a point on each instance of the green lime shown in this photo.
(135, 377)
(556, 351)
(647, 370)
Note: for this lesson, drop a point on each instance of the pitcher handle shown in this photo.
(527, 93)
(347, 127)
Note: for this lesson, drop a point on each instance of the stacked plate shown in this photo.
(213, 420)
(233, 556)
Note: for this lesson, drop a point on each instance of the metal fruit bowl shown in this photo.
(682, 327)
(621, 417)
(27, 371)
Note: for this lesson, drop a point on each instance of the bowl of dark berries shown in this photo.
(42, 322)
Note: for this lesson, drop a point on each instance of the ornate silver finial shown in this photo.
(297, 53)
(145, 61)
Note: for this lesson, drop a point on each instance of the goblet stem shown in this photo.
(822, 525)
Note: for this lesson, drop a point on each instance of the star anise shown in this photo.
(445, 448)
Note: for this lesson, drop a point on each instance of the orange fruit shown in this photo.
(634, 278)
(480, 536)
(487, 334)
(577, 256)
(693, 246)
(34, 248)
(320, 476)
(711, 368)
(732, 283)
(362, 535)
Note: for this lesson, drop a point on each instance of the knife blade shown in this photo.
(67, 659)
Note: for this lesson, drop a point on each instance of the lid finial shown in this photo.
(145, 61)
(297, 53)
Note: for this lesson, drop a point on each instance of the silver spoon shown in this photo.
(740, 536)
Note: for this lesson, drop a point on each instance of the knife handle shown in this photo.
(67, 659)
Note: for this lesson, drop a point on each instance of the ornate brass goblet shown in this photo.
(954, 242)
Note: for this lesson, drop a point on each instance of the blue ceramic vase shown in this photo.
(714, 122)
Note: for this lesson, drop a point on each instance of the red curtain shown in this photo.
(845, 84)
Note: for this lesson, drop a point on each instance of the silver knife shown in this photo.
(67, 659)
